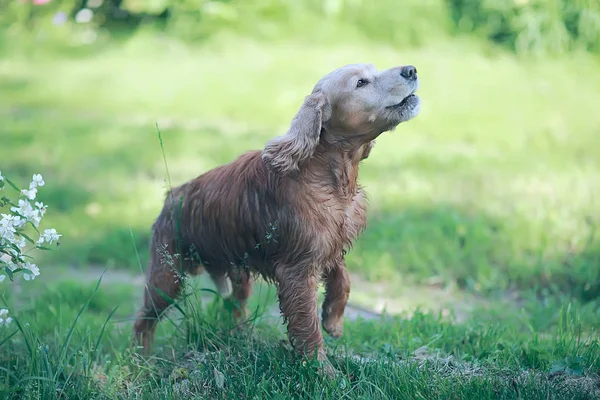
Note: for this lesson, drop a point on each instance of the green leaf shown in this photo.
(9, 273)
(31, 223)
(12, 184)
(27, 238)
(43, 248)
(569, 365)
(5, 200)
(6, 339)
(15, 247)
(112, 313)
(576, 366)
(19, 214)
(558, 366)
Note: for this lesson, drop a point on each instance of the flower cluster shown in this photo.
(14, 259)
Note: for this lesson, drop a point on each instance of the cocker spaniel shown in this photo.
(287, 212)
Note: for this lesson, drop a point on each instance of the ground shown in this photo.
(477, 276)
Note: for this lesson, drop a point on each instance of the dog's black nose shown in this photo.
(409, 72)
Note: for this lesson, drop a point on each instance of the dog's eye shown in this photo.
(361, 83)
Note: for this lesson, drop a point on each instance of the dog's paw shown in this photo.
(335, 329)
(329, 370)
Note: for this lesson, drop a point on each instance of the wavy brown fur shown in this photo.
(288, 212)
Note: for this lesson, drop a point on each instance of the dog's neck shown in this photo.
(335, 165)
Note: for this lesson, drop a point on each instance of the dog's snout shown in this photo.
(409, 72)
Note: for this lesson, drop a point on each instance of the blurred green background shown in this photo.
(494, 186)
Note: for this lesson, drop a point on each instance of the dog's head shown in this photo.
(365, 102)
(351, 105)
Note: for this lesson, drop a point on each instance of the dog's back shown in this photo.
(227, 216)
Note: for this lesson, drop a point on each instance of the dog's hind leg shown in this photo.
(163, 285)
(223, 284)
(242, 288)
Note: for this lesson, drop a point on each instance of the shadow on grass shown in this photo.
(443, 244)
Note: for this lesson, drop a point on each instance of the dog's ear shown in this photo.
(284, 154)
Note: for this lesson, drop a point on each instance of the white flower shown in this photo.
(42, 207)
(7, 235)
(1, 177)
(30, 194)
(4, 320)
(35, 271)
(36, 181)
(10, 220)
(6, 258)
(11, 265)
(8, 223)
(16, 220)
(49, 236)
(21, 243)
(13, 238)
(26, 210)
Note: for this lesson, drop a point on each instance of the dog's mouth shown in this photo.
(404, 101)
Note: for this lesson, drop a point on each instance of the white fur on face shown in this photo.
(379, 102)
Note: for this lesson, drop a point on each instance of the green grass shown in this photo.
(424, 356)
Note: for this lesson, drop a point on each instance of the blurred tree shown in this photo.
(524, 26)
(531, 26)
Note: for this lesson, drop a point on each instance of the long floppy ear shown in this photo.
(284, 154)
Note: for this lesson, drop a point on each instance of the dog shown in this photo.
(288, 212)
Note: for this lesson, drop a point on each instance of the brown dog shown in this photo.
(287, 212)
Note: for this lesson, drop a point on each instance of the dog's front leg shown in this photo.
(297, 292)
(337, 291)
